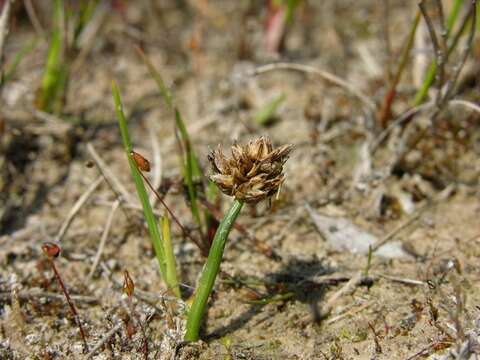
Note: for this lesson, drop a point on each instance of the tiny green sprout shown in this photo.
(253, 173)
(266, 115)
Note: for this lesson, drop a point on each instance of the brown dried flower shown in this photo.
(253, 173)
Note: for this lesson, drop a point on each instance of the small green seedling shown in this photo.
(266, 115)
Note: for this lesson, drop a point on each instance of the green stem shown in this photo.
(210, 272)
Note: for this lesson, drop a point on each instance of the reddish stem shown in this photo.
(70, 302)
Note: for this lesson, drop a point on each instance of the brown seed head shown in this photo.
(253, 173)
(142, 163)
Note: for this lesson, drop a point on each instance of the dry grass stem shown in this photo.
(321, 73)
(4, 22)
(82, 200)
(109, 176)
(104, 339)
(103, 239)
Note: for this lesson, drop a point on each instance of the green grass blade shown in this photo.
(12, 67)
(53, 69)
(452, 18)
(55, 77)
(290, 9)
(369, 262)
(155, 234)
(191, 170)
(171, 267)
(266, 115)
(192, 174)
(86, 11)
(432, 69)
(162, 88)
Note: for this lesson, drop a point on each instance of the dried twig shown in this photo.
(443, 29)
(403, 280)
(321, 73)
(345, 289)
(407, 115)
(348, 313)
(472, 13)
(35, 294)
(76, 208)
(4, 19)
(32, 15)
(468, 104)
(357, 278)
(103, 340)
(414, 217)
(103, 240)
(437, 49)
(110, 177)
(409, 142)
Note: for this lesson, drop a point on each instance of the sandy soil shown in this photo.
(423, 304)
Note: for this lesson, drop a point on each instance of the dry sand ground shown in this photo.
(426, 302)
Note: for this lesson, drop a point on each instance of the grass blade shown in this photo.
(266, 115)
(162, 88)
(432, 69)
(85, 13)
(155, 234)
(385, 110)
(54, 77)
(19, 56)
(192, 174)
(191, 170)
(171, 268)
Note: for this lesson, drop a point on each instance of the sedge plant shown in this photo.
(252, 174)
